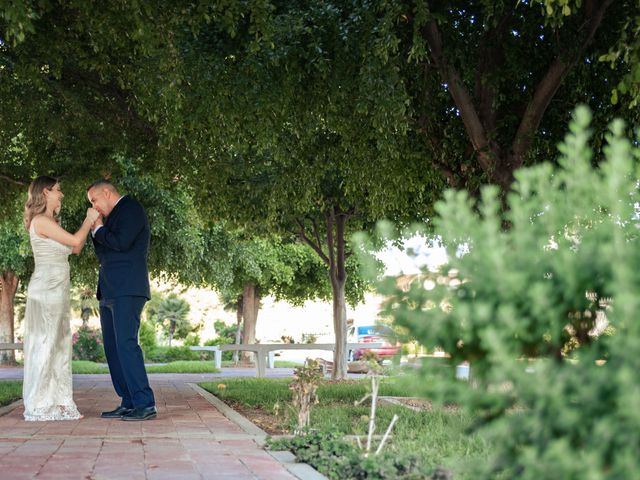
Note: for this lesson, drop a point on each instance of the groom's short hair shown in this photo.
(102, 183)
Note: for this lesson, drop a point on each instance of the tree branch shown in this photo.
(316, 247)
(340, 252)
(446, 171)
(430, 137)
(14, 181)
(330, 216)
(121, 101)
(461, 97)
(490, 58)
(548, 86)
(316, 232)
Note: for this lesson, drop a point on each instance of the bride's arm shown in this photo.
(48, 228)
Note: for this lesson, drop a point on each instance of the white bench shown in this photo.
(265, 352)
(10, 346)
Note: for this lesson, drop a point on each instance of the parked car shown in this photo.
(373, 334)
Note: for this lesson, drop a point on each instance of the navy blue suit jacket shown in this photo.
(122, 247)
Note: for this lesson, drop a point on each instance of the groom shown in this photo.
(122, 247)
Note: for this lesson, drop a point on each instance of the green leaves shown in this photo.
(541, 299)
(288, 271)
(15, 251)
(626, 53)
(17, 19)
(171, 314)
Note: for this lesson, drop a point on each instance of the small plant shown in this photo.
(339, 459)
(87, 345)
(304, 386)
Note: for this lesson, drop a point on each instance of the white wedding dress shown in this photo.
(47, 387)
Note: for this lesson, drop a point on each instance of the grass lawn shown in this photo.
(10, 390)
(182, 366)
(436, 437)
(286, 364)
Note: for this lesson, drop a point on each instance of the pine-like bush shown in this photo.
(543, 300)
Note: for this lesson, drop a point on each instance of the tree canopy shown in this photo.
(305, 118)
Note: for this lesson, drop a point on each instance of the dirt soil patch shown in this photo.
(267, 421)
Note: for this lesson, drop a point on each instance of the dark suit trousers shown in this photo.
(120, 319)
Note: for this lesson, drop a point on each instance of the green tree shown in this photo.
(625, 53)
(551, 388)
(173, 317)
(59, 97)
(370, 107)
(298, 164)
(246, 268)
(225, 331)
(232, 302)
(492, 84)
(14, 267)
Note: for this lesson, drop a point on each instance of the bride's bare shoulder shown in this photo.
(41, 223)
(41, 217)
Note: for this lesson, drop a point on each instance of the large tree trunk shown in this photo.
(338, 274)
(336, 221)
(338, 283)
(238, 328)
(8, 288)
(250, 308)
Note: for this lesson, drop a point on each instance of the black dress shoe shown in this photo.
(138, 414)
(117, 413)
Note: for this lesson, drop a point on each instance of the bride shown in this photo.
(47, 388)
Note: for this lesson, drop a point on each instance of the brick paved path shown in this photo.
(190, 439)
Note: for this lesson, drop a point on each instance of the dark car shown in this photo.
(373, 334)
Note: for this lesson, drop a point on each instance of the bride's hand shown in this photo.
(92, 215)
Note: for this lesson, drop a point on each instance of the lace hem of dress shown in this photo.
(57, 412)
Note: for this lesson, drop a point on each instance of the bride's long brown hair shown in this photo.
(36, 201)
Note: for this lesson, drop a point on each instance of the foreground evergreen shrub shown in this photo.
(556, 387)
